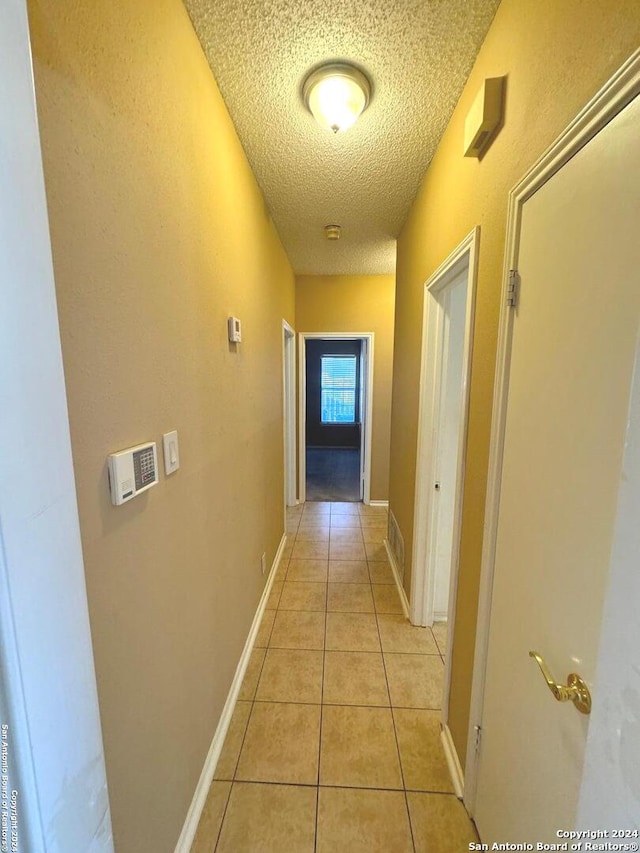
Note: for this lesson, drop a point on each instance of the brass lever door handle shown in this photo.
(575, 690)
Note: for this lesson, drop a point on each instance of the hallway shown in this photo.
(334, 743)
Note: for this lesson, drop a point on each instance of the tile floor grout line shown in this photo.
(341, 704)
(224, 814)
(344, 787)
(377, 788)
(255, 700)
(244, 736)
(324, 659)
(395, 734)
(246, 728)
(315, 828)
(270, 631)
(237, 761)
(379, 616)
(252, 700)
(273, 782)
(419, 654)
(406, 800)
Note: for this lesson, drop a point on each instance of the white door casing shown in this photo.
(444, 404)
(289, 412)
(460, 269)
(364, 373)
(564, 372)
(367, 339)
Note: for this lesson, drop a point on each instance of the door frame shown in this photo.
(433, 368)
(367, 339)
(55, 760)
(616, 94)
(289, 412)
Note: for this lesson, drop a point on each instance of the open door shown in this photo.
(568, 346)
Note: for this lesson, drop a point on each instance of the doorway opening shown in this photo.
(335, 416)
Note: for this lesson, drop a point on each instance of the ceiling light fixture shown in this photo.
(336, 94)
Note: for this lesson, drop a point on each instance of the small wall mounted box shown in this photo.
(484, 117)
(235, 330)
(132, 471)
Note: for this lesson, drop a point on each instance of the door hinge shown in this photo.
(513, 288)
(478, 731)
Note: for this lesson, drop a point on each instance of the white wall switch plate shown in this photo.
(171, 452)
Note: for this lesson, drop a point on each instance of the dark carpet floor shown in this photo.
(333, 474)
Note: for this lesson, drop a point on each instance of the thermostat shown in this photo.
(235, 330)
(132, 471)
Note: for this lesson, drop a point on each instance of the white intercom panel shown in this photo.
(235, 330)
(132, 471)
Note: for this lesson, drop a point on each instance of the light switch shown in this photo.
(171, 452)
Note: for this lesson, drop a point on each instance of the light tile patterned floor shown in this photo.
(335, 741)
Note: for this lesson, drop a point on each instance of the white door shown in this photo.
(442, 430)
(449, 424)
(53, 789)
(571, 363)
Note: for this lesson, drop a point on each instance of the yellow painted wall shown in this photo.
(556, 55)
(160, 233)
(358, 303)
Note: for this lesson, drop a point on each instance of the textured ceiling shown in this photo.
(418, 55)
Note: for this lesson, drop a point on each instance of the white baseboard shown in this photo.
(379, 503)
(453, 762)
(204, 783)
(396, 574)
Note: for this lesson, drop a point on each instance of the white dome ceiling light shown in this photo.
(336, 94)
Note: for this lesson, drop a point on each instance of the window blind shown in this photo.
(338, 389)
